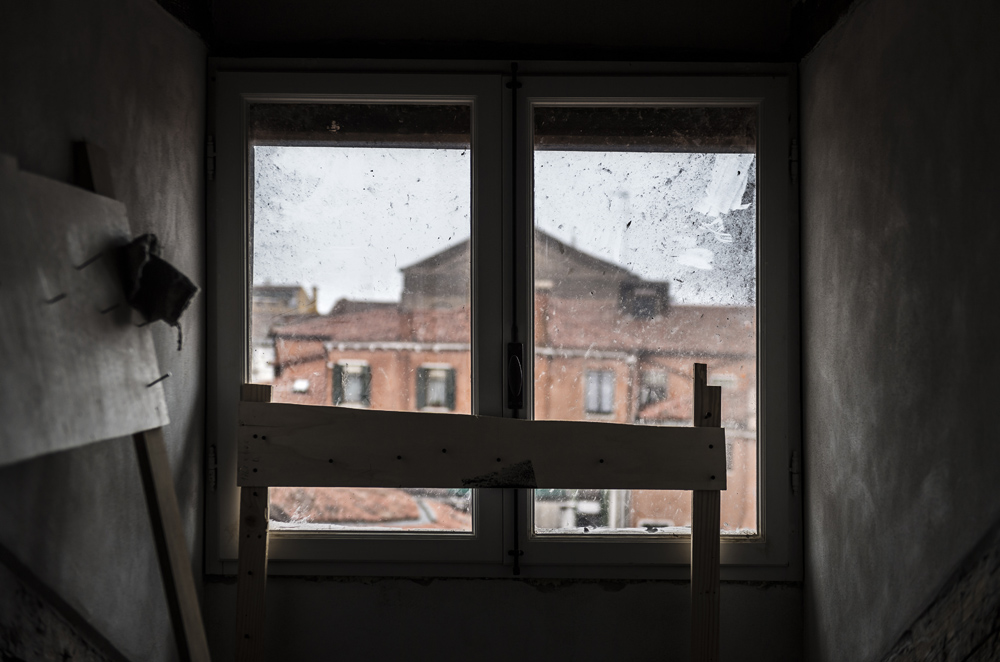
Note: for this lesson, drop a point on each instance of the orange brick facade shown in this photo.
(637, 367)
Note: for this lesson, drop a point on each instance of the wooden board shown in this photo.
(71, 374)
(302, 445)
(251, 587)
(171, 547)
(705, 551)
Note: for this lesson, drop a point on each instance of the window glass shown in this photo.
(600, 391)
(645, 250)
(361, 282)
(436, 387)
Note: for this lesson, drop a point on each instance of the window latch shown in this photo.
(515, 375)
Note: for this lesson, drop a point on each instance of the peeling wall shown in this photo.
(963, 620)
(127, 76)
(31, 628)
(900, 316)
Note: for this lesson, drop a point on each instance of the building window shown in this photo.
(599, 391)
(620, 242)
(653, 387)
(352, 384)
(436, 387)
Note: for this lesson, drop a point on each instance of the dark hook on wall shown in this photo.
(87, 263)
(157, 381)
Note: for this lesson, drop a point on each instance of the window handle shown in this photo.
(515, 375)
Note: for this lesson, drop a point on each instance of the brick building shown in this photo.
(609, 346)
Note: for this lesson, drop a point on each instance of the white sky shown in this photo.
(347, 219)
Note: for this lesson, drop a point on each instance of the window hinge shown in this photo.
(210, 158)
(795, 470)
(793, 161)
(213, 468)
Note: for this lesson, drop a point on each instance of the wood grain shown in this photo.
(251, 589)
(71, 375)
(705, 535)
(292, 445)
(171, 547)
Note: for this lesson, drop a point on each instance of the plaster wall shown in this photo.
(899, 172)
(127, 76)
(505, 619)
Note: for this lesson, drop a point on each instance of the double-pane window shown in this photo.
(401, 232)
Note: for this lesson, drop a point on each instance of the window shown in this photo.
(599, 391)
(436, 387)
(399, 231)
(352, 384)
(653, 387)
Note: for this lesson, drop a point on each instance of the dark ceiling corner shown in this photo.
(811, 19)
(193, 13)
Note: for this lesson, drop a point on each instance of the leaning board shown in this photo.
(71, 375)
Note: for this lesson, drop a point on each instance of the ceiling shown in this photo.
(640, 30)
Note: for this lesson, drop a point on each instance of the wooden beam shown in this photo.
(252, 578)
(65, 323)
(705, 534)
(292, 445)
(171, 547)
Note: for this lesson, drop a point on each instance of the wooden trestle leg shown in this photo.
(252, 580)
(705, 535)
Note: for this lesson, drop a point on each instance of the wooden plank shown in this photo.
(251, 589)
(72, 374)
(705, 576)
(705, 535)
(290, 445)
(255, 393)
(171, 548)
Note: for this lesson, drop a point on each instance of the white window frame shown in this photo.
(505, 518)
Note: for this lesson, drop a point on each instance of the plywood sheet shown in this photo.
(301, 445)
(71, 373)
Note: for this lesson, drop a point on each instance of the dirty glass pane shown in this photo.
(361, 281)
(645, 263)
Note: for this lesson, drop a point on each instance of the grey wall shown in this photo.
(900, 235)
(127, 76)
(505, 619)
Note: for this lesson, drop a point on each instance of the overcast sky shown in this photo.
(347, 219)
